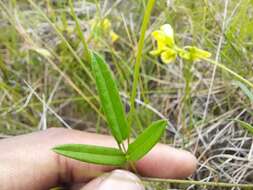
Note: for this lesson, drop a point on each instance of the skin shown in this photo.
(27, 161)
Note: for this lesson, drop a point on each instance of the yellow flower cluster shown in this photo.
(168, 50)
(103, 28)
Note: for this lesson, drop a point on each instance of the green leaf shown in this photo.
(110, 99)
(145, 141)
(245, 125)
(92, 154)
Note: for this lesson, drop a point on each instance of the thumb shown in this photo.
(117, 179)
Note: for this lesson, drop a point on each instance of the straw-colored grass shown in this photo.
(45, 78)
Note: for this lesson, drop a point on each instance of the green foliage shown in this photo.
(109, 98)
(92, 154)
(145, 141)
(115, 115)
(117, 123)
(111, 103)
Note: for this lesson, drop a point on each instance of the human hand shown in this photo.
(27, 162)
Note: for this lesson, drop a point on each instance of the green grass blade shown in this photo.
(245, 90)
(245, 125)
(137, 65)
(80, 33)
(110, 99)
(145, 141)
(92, 154)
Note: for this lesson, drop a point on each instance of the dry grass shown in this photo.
(39, 91)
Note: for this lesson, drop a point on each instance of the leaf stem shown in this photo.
(131, 163)
(119, 146)
(124, 148)
(144, 26)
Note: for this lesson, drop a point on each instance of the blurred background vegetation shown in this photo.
(46, 82)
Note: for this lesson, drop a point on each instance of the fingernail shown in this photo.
(118, 179)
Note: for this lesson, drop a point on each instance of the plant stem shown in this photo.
(124, 148)
(188, 76)
(192, 182)
(119, 145)
(239, 77)
(133, 167)
(137, 65)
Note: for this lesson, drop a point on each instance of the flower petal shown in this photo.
(155, 52)
(114, 36)
(168, 56)
(165, 43)
(168, 30)
(160, 40)
(164, 37)
(158, 35)
(169, 34)
(106, 24)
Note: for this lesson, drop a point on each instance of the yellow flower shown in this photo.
(168, 55)
(164, 39)
(106, 24)
(168, 50)
(184, 54)
(103, 28)
(168, 34)
(114, 36)
(193, 53)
